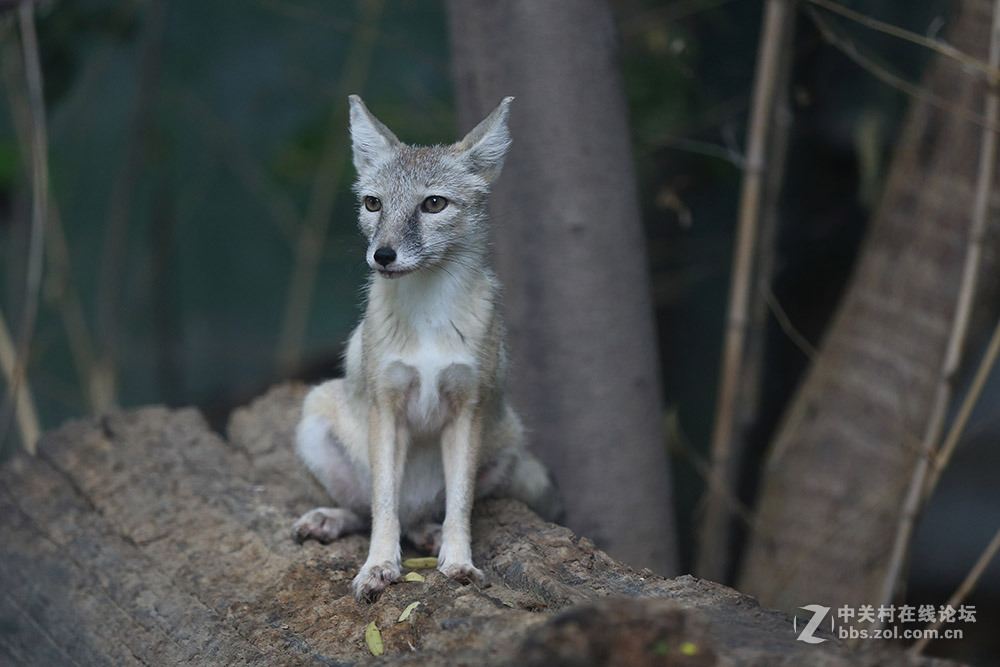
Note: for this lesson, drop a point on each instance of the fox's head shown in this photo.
(422, 206)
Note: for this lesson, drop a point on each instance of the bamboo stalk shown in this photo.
(956, 341)
(763, 303)
(713, 540)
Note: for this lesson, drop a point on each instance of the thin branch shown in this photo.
(786, 325)
(679, 137)
(676, 438)
(713, 543)
(848, 48)
(39, 197)
(983, 372)
(943, 48)
(957, 339)
(312, 234)
(705, 148)
(963, 591)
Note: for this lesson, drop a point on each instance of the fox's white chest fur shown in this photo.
(427, 356)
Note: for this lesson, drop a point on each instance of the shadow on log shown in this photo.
(145, 538)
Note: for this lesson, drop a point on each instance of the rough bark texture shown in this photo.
(144, 538)
(834, 483)
(571, 254)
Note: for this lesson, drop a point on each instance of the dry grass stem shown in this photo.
(27, 416)
(13, 405)
(60, 287)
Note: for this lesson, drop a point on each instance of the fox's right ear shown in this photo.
(371, 140)
(487, 144)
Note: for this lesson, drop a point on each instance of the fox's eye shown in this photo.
(434, 204)
(373, 203)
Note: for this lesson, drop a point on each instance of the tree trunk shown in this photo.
(571, 254)
(834, 482)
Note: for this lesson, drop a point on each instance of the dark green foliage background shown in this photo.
(249, 94)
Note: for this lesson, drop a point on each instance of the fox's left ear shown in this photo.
(486, 145)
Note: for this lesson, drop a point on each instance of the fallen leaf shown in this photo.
(406, 612)
(374, 639)
(420, 563)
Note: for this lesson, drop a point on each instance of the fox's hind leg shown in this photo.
(426, 537)
(324, 454)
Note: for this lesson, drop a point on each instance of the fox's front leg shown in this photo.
(387, 444)
(460, 444)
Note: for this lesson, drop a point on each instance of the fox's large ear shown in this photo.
(486, 145)
(371, 140)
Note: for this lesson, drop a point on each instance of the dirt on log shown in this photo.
(146, 538)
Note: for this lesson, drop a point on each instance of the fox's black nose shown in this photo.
(385, 256)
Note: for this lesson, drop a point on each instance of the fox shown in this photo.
(420, 426)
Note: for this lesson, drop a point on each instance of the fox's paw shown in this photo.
(464, 573)
(325, 524)
(373, 579)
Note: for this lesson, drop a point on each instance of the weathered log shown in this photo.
(145, 538)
